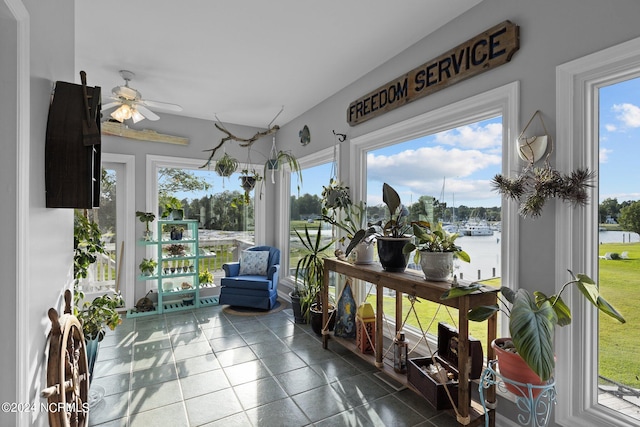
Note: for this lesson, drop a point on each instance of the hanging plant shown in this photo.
(248, 180)
(535, 185)
(226, 166)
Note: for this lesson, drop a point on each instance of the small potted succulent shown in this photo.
(148, 266)
(435, 249)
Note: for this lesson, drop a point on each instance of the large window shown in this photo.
(229, 219)
(597, 117)
(445, 178)
(441, 164)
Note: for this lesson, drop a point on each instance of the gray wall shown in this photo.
(8, 77)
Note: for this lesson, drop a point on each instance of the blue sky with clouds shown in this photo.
(620, 141)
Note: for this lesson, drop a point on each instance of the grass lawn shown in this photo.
(620, 343)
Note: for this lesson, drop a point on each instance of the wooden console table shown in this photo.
(414, 284)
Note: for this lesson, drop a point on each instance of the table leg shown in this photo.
(379, 330)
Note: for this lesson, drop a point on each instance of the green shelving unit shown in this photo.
(177, 274)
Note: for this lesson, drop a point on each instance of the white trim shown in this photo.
(284, 195)
(128, 221)
(23, 146)
(577, 84)
(502, 101)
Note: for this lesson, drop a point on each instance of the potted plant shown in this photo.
(96, 316)
(146, 217)
(311, 269)
(205, 276)
(249, 179)
(435, 249)
(176, 232)
(148, 266)
(176, 250)
(391, 236)
(276, 159)
(532, 320)
(173, 209)
(226, 165)
(338, 210)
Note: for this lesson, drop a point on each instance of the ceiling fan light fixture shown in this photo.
(122, 113)
(136, 116)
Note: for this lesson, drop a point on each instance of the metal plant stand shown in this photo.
(534, 402)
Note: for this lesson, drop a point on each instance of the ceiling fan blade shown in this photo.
(110, 105)
(161, 105)
(148, 114)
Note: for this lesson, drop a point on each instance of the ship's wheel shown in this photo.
(67, 371)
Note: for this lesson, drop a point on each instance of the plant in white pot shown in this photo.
(435, 250)
(338, 210)
(532, 322)
(391, 235)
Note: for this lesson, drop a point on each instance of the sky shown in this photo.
(456, 166)
(620, 141)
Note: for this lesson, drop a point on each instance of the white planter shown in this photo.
(437, 266)
(363, 253)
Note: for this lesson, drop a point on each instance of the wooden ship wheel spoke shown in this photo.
(67, 389)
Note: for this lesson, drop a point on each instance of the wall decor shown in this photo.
(488, 50)
(305, 135)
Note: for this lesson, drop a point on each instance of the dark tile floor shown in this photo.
(204, 367)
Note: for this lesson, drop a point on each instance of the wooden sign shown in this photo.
(488, 50)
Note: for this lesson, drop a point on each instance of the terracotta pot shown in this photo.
(437, 266)
(513, 367)
(390, 253)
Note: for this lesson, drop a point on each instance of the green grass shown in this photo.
(426, 315)
(620, 343)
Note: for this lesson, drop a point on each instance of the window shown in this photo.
(455, 168)
(228, 221)
(585, 91)
(374, 152)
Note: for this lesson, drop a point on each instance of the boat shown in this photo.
(474, 228)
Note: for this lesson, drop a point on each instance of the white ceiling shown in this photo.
(243, 60)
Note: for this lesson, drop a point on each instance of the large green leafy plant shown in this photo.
(398, 223)
(310, 268)
(532, 318)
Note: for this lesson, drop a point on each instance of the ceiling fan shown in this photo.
(131, 105)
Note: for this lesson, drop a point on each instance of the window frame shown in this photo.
(503, 101)
(577, 103)
(326, 155)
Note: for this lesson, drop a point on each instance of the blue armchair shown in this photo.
(251, 283)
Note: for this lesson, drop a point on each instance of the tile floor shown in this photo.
(205, 367)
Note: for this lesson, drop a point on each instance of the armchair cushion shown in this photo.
(254, 263)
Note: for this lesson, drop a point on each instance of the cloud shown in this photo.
(628, 114)
(472, 136)
(611, 127)
(604, 154)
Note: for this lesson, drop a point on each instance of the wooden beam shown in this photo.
(119, 129)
